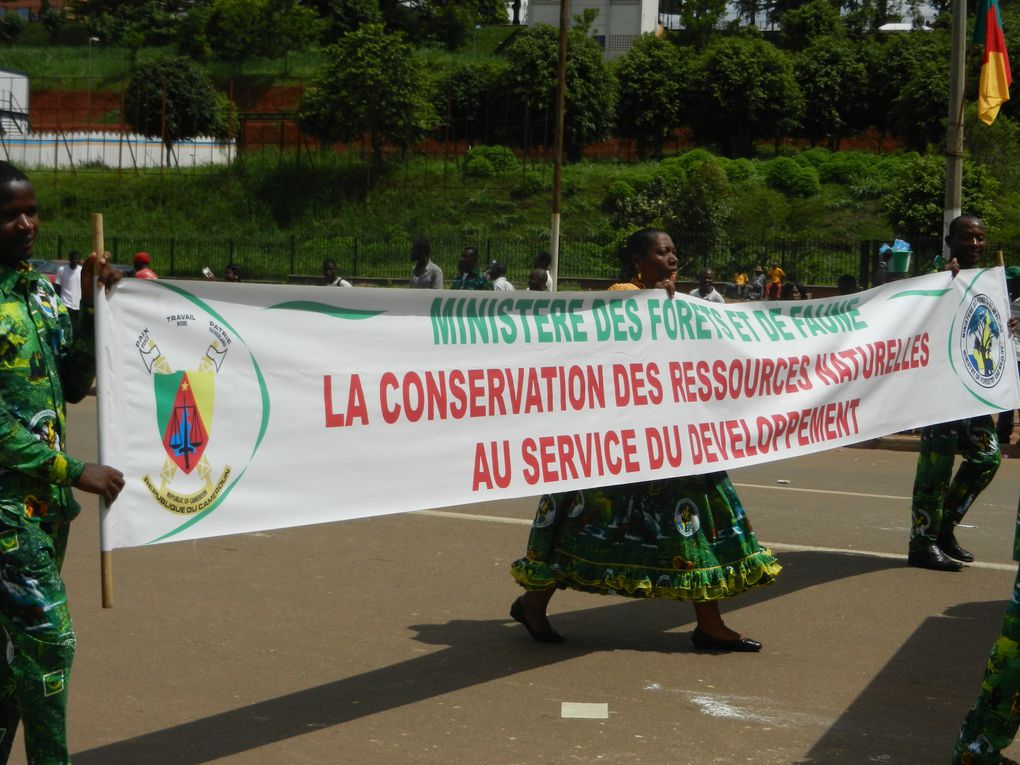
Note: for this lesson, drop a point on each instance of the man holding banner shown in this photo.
(42, 364)
(938, 504)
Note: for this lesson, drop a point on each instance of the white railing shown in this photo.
(112, 150)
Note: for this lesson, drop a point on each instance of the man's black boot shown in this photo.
(933, 558)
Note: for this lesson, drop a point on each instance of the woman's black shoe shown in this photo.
(706, 642)
(542, 636)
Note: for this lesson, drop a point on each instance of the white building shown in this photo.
(13, 103)
(618, 24)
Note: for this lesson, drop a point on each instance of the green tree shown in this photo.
(469, 102)
(914, 203)
(237, 30)
(700, 19)
(374, 84)
(343, 16)
(919, 111)
(11, 26)
(801, 26)
(649, 77)
(529, 83)
(833, 79)
(702, 208)
(742, 89)
(172, 98)
(130, 23)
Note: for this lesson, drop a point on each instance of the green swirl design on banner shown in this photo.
(337, 312)
(265, 410)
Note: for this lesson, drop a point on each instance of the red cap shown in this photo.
(142, 257)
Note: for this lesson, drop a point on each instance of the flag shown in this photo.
(993, 91)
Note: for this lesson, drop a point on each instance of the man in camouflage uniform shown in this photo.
(991, 724)
(938, 503)
(468, 277)
(42, 364)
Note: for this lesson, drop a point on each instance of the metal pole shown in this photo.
(561, 99)
(954, 131)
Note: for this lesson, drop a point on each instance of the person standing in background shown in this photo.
(143, 263)
(425, 274)
(68, 284)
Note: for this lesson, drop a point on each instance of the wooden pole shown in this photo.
(105, 557)
(561, 97)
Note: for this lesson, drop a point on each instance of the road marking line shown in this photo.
(580, 710)
(819, 491)
(780, 546)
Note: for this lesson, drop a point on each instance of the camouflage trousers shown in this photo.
(939, 503)
(992, 722)
(39, 639)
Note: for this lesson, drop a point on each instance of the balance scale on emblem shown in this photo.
(184, 409)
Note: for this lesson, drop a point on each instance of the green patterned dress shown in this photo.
(680, 538)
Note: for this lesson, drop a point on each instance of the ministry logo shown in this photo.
(982, 342)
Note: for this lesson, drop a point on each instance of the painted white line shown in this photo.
(820, 491)
(474, 517)
(778, 546)
(584, 711)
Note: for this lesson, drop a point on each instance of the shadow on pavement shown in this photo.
(481, 651)
(912, 710)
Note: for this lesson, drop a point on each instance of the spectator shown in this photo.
(740, 284)
(792, 291)
(425, 274)
(774, 286)
(467, 268)
(847, 285)
(706, 287)
(497, 274)
(68, 284)
(538, 280)
(232, 273)
(330, 277)
(756, 291)
(143, 265)
(544, 261)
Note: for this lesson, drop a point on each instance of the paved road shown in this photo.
(387, 640)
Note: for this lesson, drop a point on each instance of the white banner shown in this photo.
(234, 408)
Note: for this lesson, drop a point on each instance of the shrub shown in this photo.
(479, 167)
(500, 158)
(618, 192)
(783, 174)
(738, 170)
(531, 183)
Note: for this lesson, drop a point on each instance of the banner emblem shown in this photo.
(184, 415)
(982, 342)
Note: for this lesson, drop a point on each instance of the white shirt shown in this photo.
(711, 297)
(339, 283)
(500, 284)
(69, 281)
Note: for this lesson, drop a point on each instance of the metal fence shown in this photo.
(582, 261)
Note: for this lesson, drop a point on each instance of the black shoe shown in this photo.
(706, 642)
(949, 545)
(932, 557)
(542, 636)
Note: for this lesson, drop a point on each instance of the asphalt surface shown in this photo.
(387, 640)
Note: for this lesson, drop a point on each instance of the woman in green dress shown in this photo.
(681, 538)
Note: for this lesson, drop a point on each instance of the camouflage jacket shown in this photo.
(472, 281)
(41, 365)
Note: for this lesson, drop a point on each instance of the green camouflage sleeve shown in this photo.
(22, 451)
